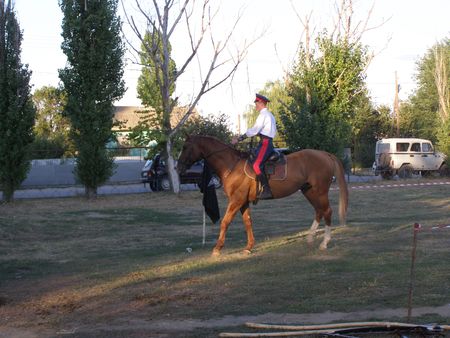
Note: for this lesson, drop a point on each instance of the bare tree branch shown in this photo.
(194, 45)
(306, 31)
(158, 49)
(177, 20)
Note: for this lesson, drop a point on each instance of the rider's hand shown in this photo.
(234, 140)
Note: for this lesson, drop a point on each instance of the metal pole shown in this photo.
(204, 228)
(417, 227)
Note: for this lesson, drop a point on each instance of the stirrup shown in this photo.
(265, 194)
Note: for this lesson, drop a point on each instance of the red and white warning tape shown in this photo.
(420, 227)
(378, 186)
(441, 226)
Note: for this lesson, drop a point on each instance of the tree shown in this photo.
(49, 103)
(442, 81)
(425, 114)
(163, 21)
(16, 108)
(51, 127)
(217, 126)
(147, 88)
(327, 85)
(369, 125)
(416, 120)
(325, 95)
(418, 115)
(93, 81)
(150, 126)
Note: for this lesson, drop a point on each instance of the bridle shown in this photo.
(230, 170)
(216, 151)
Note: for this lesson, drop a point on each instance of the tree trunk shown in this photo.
(90, 192)
(8, 193)
(440, 77)
(173, 174)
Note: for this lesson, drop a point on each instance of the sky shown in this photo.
(407, 29)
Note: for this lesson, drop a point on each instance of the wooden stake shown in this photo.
(411, 275)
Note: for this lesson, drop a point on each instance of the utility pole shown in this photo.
(396, 105)
(239, 124)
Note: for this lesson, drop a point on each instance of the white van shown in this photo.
(405, 156)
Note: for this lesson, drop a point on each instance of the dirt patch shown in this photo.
(118, 266)
(278, 318)
(181, 327)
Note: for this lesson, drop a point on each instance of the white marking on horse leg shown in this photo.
(326, 238)
(312, 231)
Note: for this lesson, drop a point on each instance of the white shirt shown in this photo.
(265, 124)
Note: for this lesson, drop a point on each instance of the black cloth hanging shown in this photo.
(208, 189)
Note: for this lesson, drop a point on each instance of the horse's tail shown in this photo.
(343, 190)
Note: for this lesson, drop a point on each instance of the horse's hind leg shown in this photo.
(321, 205)
(327, 235)
(247, 219)
(313, 229)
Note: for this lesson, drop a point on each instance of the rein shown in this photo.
(229, 171)
(215, 151)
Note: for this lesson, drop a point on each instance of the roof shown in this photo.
(404, 139)
(127, 116)
(130, 116)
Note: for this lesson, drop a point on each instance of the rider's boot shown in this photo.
(266, 193)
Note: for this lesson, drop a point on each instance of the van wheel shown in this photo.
(444, 170)
(165, 184)
(426, 173)
(155, 185)
(405, 171)
(385, 160)
(216, 181)
(387, 175)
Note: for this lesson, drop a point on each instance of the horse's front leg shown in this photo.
(246, 217)
(229, 215)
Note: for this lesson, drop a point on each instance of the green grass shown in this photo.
(124, 258)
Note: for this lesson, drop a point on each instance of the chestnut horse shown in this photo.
(310, 170)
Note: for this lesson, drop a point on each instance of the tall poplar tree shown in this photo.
(93, 81)
(16, 108)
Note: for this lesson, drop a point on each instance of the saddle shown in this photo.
(275, 167)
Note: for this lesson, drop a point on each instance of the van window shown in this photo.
(402, 147)
(415, 147)
(383, 148)
(427, 148)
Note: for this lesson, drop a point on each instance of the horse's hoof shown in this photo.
(322, 247)
(215, 253)
(247, 252)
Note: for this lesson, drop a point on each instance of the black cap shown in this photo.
(261, 98)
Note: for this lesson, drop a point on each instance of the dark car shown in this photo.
(155, 174)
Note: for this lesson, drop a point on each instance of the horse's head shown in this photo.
(190, 154)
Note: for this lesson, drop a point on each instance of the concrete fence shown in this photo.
(60, 172)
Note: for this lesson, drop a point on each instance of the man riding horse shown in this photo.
(264, 127)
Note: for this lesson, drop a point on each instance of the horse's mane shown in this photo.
(241, 154)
